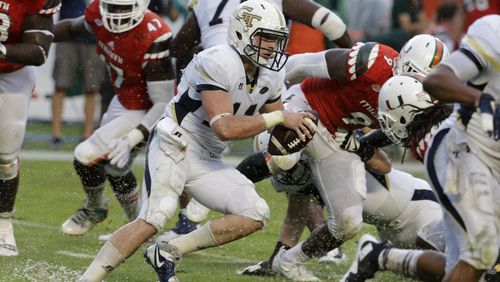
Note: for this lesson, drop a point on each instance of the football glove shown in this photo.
(120, 148)
(490, 115)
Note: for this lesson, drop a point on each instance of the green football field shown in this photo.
(50, 191)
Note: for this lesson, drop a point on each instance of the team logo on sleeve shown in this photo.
(243, 14)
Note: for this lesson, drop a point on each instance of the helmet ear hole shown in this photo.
(240, 37)
(402, 120)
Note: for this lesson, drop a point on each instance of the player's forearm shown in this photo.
(26, 54)
(237, 127)
(379, 163)
(445, 87)
(70, 29)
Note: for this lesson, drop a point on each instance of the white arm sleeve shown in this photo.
(308, 64)
(329, 23)
(463, 67)
(160, 93)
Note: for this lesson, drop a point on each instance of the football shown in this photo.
(286, 141)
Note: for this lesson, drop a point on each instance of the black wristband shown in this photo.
(144, 131)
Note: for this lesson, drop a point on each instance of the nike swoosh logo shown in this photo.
(158, 263)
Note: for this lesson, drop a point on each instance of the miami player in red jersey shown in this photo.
(345, 94)
(25, 38)
(133, 42)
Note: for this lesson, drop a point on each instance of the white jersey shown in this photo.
(388, 196)
(221, 68)
(213, 19)
(480, 52)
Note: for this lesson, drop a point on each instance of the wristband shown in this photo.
(273, 118)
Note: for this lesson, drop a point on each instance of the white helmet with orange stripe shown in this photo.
(420, 54)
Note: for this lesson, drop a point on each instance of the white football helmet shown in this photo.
(259, 18)
(398, 100)
(122, 15)
(420, 54)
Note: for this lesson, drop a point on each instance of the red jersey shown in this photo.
(126, 54)
(12, 16)
(475, 9)
(352, 104)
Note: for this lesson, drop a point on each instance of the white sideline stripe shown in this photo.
(75, 255)
(68, 156)
(35, 155)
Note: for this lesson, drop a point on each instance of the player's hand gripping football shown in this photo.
(490, 115)
(301, 122)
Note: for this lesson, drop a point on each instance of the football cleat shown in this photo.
(336, 256)
(365, 264)
(162, 257)
(183, 226)
(262, 268)
(83, 220)
(292, 270)
(8, 245)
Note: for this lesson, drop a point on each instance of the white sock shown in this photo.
(107, 259)
(295, 254)
(198, 239)
(400, 261)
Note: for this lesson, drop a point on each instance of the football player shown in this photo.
(345, 94)
(402, 207)
(133, 42)
(25, 38)
(463, 161)
(207, 25)
(402, 101)
(221, 93)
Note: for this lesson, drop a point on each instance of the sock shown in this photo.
(107, 259)
(295, 254)
(277, 248)
(198, 239)
(401, 261)
(95, 196)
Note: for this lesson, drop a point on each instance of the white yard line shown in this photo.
(68, 156)
(75, 255)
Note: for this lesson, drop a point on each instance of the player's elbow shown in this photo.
(224, 132)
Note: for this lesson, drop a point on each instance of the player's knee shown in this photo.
(346, 226)
(167, 206)
(260, 212)
(85, 153)
(8, 168)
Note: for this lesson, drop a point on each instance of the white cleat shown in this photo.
(291, 270)
(8, 247)
(336, 256)
(83, 220)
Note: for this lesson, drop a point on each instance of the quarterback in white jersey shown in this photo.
(220, 100)
(463, 161)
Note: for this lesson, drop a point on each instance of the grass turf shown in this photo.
(50, 191)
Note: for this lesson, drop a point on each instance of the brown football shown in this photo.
(286, 141)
